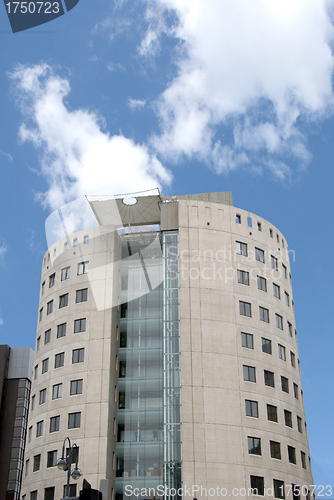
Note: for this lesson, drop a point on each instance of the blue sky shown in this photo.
(192, 96)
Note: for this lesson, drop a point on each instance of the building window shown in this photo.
(276, 291)
(272, 413)
(279, 321)
(274, 262)
(279, 489)
(72, 490)
(27, 467)
(52, 280)
(33, 398)
(76, 387)
(75, 242)
(257, 485)
(296, 492)
(252, 409)
(295, 390)
(66, 247)
(40, 314)
(285, 384)
(81, 295)
(74, 420)
(281, 352)
(61, 330)
(288, 418)
(42, 396)
(52, 458)
(75, 454)
(57, 390)
(303, 459)
(59, 359)
(49, 493)
(269, 378)
(79, 325)
(259, 254)
(238, 219)
(33, 495)
(243, 277)
(293, 359)
(290, 328)
(83, 267)
(259, 226)
(285, 271)
(264, 314)
(271, 233)
(65, 273)
(287, 299)
(241, 248)
(63, 300)
(249, 373)
(266, 345)
(37, 463)
(47, 336)
(247, 340)
(39, 428)
(254, 445)
(275, 450)
(78, 355)
(54, 423)
(38, 343)
(300, 425)
(292, 454)
(245, 308)
(45, 365)
(29, 434)
(49, 307)
(262, 283)
(43, 288)
(86, 240)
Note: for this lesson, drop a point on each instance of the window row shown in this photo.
(74, 422)
(247, 341)
(245, 309)
(254, 448)
(49, 493)
(243, 279)
(259, 227)
(249, 373)
(66, 247)
(80, 296)
(78, 356)
(57, 390)
(252, 410)
(259, 255)
(278, 489)
(51, 460)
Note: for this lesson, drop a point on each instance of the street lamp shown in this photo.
(64, 464)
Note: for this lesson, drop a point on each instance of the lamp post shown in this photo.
(64, 463)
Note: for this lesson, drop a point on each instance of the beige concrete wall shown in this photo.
(214, 422)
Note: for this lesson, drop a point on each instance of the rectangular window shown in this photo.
(266, 345)
(33, 495)
(238, 219)
(243, 277)
(285, 271)
(292, 454)
(257, 485)
(86, 240)
(259, 254)
(52, 458)
(75, 242)
(49, 307)
(74, 420)
(272, 413)
(33, 401)
(57, 390)
(290, 329)
(43, 288)
(81, 295)
(72, 490)
(288, 418)
(39, 428)
(45, 365)
(61, 330)
(65, 273)
(296, 492)
(269, 378)
(276, 291)
(293, 359)
(79, 325)
(37, 463)
(49, 493)
(249, 373)
(264, 314)
(295, 390)
(78, 355)
(254, 445)
(42, 396)
(83, 267)
(29, 434)
(63, 300)
(262, 283)
(300, 425)
(27, 467)
(75, 454)
(287, 299)
(259, 226)
(245, 308)
(274, 262)
(279, 321)
(303, 459)
(38, 343)
(47, 336)
(252, 409)
(54, 423)
(247, 340)
(52, 280)
(279, 489)
(285, 384)
(241, 248)
(40, 314)
(275, 450)
(76, 387)
(59, 359)
(281, 352)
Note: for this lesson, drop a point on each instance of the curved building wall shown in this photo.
(81, 360)
(216, 359)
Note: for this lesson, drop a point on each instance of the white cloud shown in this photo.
(77, 157)
(256, 68)
(113, 67)
(1, 321)
(136, 103)
(3, 250)
(7, 155)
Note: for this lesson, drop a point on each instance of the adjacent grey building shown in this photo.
(166, 350)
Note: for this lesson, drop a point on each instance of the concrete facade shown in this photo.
(236, 323)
